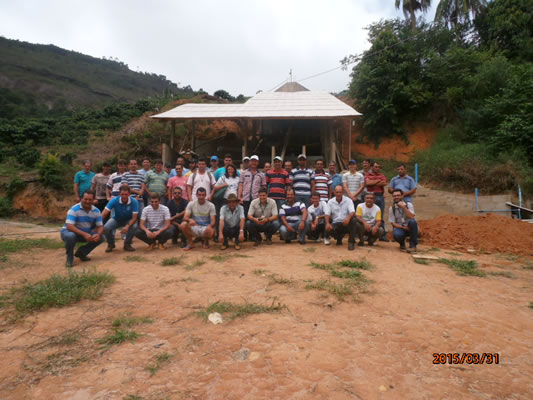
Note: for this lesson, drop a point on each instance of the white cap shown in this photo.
(278, 158)
(245, 158)
(254, 157)
(302, 155)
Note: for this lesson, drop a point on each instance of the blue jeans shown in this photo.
(379, 200)
(70, 239)
(113, 224)
(269, 228)
(279, 202)
(286, 235)
(399, 234)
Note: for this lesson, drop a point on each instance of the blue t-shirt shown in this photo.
(83, 220)
(404, 184)
(336, 180)
(123, 212)
(84, 181)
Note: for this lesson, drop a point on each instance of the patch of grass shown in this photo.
(528, 265)
(259, 271)
(505, 274)
(15, 246)
(511, 257)
(453, 253)
(421, 261)
(310, 249)
(531, 304)
(463, 267)
(340, 291)
(135, 259)
(3, 258)
(121, 330)
(273, 278)
(225, 257)
(325, 267)
(350, 274)
(158, 362)
(57, 291)
(359, 264)
(194, 265)
(239, 310)
(172, 261)
(57, 362)
(67, 340)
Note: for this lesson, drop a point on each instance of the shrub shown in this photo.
(26, 155)
(53, 173)
(14, 186)
(5, 207)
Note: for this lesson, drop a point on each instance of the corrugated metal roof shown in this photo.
(268, 105)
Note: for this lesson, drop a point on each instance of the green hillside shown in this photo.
(38, 79)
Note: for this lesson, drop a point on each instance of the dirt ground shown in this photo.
(380, 346)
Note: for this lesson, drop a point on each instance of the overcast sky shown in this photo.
(241, 46)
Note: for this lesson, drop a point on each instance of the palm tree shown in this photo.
(410, 7)
(455, 12)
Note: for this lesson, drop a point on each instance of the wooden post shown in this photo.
(193, 138)
(273, 155)
(350, 140)
(245, 143)
(172, 134)
(304, 149)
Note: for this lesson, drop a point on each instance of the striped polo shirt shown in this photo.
(83, 220)
(292, 213)
(156, 183)
(301, 181)
(155, 219)
(277, 181)
(322, 181)
(201, 213)
(114, 183)
(134, 180)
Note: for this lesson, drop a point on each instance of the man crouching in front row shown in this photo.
(155, 224)
(199, 220)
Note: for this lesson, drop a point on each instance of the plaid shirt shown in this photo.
(251, 183)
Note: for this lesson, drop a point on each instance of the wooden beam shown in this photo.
(172, 134)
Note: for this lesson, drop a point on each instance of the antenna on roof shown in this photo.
(290, 75)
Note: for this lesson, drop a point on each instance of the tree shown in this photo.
(456, 12)
(411, 7)
(221, 93)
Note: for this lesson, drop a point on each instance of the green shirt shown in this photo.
(156, 183)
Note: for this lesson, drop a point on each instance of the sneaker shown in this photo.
(268, 241)
(127, 247)
(109, 248)
(223, 246)
(183, 244)
(327, 242)
(188, 248)
(402, 247)
(318, 240)
(162, 246)
(339, 242)
(351, 245)
(82, 257)
(237, 246)
(411, 250)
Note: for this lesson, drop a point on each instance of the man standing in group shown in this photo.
(321, 181)
(179, 161)
(262, 217)
(404, 182)
(156, 181)
(193, 167)
(402, 218)
(375, 183)
(369, 221)
(301, 181)
(125, 211)
(155, 224)
(177, 205)
(202, 178)
(115, 180)
(228, 160)
(245, 163)
(287, 166)
(317, 210)
(99, 186)
(82, 180)
(250, 182)
(231, 223)
(214, 164)
(135, 180)
(277, 180)
(336, 179)
(340, 218)
(367, 167)
(178, 181)
(199, 220)
(146, 166)
(83, 224)
(353, 183)
(293, 215)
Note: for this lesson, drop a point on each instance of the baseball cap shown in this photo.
(302, 156)
(214, 158)
(246, 158)
(277, 158)
(352, 162)
(232, 197)
(254, 157)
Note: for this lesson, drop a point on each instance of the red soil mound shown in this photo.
(489, 232)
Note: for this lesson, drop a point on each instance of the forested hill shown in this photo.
(36, 79)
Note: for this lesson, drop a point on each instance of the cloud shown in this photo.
(237, 45)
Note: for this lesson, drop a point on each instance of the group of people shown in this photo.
(199, 201)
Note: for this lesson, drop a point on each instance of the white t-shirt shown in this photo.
(205, 180)
(370, 215)
(233, 185)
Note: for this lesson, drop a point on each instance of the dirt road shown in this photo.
(379, 347)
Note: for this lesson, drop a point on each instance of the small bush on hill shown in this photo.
(53, 173)
(5, 207)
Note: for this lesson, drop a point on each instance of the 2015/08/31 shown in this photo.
(466, 358)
